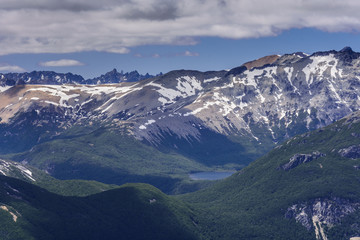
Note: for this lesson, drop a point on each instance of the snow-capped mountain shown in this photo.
(255, 105)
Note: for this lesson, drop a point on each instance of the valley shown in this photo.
(210, 175)
(320, 193)
(282, 131)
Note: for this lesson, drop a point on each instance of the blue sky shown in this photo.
(155, 36)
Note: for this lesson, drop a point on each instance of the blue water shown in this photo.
(210, 175)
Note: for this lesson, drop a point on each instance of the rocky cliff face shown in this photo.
(298, 159)
(17, 170)
(259, 106)
(350, 152)
(320, 214)
(116, 77)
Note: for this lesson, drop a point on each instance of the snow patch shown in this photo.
(64, 93)
(189, 86)
(289, 71)
(150, 121)
(332, 88)
(319, 65)
(5, 88)
(270, 71)
(26, 172)
(250, 77)
(186, 86)
(211, 79)
(86, 102)
(57, 91)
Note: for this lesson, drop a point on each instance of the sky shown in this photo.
(92, 37)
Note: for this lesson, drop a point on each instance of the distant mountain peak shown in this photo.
(113, 73)
(346, 49)
(300, 54)
(261, 61)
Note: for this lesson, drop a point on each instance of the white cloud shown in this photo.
(120, 50)
(11, 68)
(52, 26)
(61, 63)
(190, 54)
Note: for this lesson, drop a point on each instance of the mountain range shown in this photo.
(289, 125)
(214, 120)
(305, 188)
(53, 78)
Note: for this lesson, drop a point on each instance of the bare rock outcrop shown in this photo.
(298, 159)
(320, 214)
(350, 152)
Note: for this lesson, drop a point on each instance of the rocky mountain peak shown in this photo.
(347, 55)
(261, 61)
(112, 72)
(346, 49)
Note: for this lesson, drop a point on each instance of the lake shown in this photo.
(210, 175)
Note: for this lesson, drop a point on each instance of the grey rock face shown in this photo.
(321, 212)
(298, 159)
(116, 77)
(350, 152)
(13, 169)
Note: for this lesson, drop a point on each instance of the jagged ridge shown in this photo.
(53, 78)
